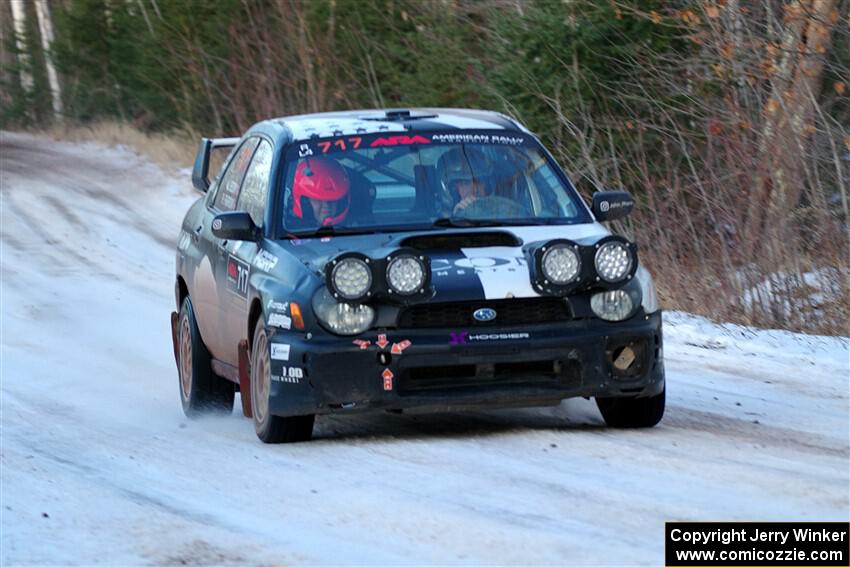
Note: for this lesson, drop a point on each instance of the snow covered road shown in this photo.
(99, 464)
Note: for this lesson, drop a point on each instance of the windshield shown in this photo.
(418, 180)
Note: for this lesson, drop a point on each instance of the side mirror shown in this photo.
(202, 165)
(201, 169)
(612, 205)
(235, 226)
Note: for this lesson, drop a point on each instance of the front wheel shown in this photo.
(633, 412)
(271, 428)
(201, 391)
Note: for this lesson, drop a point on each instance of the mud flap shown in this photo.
(244, 379)
(174, 320)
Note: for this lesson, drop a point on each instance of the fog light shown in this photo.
(612, 305)
(340, 317)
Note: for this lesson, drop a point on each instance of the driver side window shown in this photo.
(228, 190)
(252, 198)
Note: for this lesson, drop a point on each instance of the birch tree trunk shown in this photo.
(9, 77)
(20, 27)
(45, 25)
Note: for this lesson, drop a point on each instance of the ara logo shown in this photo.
(398, 141)
(484, 314)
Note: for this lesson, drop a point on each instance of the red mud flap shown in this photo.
(244, 379)
(174, 321)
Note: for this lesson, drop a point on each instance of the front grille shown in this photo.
(526, 311)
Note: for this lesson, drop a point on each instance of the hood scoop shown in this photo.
(458, 240)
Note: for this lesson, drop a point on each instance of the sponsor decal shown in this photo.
(387, 375)
(458, 338)
(480, 264)
(290, 374)
(304, 150)
(265, 261)
(382, 342)
(280, 320)
(464, 337)
(500, 270)
(478, 139)
(604, 206)
(398, 141)
(398, 348)
(282, 306)
(279, 351)
(216, 224)
(361, 343)
(237, 276)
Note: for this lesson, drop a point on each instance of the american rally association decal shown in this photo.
(237, 276)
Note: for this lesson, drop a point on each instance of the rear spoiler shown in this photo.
(200, 173)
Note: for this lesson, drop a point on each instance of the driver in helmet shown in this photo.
(325, 187)
(458, 179)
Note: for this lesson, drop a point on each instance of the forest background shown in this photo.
(728, 120)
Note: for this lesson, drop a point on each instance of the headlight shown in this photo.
(615, 305)
(613, 261)
(406, 274)
(351, 278)
(341, 318)
(647, 290)
(561, 264)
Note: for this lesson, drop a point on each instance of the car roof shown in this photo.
(374, 121)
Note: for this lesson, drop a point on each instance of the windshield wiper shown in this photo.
(454, 222)
(330, 230)
(467, 222)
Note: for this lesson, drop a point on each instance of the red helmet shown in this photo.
(321, 179)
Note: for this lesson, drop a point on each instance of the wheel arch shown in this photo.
(253, 316)
(181, 291)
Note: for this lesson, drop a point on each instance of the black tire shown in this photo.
(633, 412)
(201, 391)
(271, 428)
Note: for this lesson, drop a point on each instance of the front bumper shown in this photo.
(441, 370)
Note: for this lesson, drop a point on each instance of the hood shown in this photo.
(466, 264)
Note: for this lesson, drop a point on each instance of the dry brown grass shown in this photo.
(169, 151)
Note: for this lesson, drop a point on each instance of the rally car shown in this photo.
(407, 259)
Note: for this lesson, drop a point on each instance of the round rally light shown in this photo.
(351, 278)
(406, 274)
(561, 264)
(613, 261)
